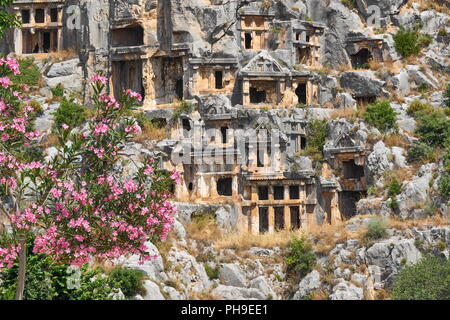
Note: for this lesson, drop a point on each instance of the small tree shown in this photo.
(407, 42)
(434, 129)
(427, 280)
(447, 96)
(300, 259)
(77, 206)
(381, 115)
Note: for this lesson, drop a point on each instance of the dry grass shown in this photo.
(204, 228)
(344, 67)
(320, 294)
(437, 5)
(244, 241)
(50, 140)
(398, 224)
(382, 295)
(327, 236)
(203, 296)
(374, 65)
(151, 131)
(395, 140)
(56, 56)
(403, 174)
(346, 113)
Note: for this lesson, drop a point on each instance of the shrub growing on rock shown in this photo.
(130, 281)
(444, 185)
(434, 129)
(69, 113)
(376, 228)
(300, 259)
(447, 96)
(381, 115)
(426, 280)
(417, 108)
(407, 42)
(394, 188)
(317, 132)
(419, 152)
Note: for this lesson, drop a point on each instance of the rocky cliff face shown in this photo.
(184, 46)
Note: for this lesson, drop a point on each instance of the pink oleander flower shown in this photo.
(12, 64)
(56, 193)
(99, 78)
(176, 176)
(148, 170)
(130, 186)
(100, 128)
(5, 82)
(64, 126)
(133, 94)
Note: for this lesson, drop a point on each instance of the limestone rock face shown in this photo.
(235, 293)
(346, 291)
(153, 269)
(260, 283)
(378, 161)
(308, 284)
(415, 193)
(362, 84)
(232, 275)
(389, 257)
(387, 7)
(152, 291)
(187, 270)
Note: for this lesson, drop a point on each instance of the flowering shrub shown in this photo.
(77, 205)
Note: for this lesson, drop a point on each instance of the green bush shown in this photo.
(434, 129)
(394, 188)
(419, 152)
(29, 74)
(428, 279)
(183, 107)
(376, 228)
(442, 32)
(37, 107)
(317, 132)
(447, 96)
(349, 3)
(407, 42)
(58, 91)
(418, 108)
(69, 113)
(381, 115)
(444, 185)
(130, 281)
(213, 273)
(300, 259)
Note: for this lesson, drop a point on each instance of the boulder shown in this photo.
(186, 269)
(389, 256)
(236, 293)
(379, 161)
(346, 291)
(65, 68)
(152, 291)
(232, 275)
(362, 84)
(260, 283)
(154, 268)
(308, 285)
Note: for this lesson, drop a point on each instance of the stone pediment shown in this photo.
(264, 64)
